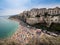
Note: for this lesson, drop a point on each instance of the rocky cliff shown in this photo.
(31, 17)
(34, 16)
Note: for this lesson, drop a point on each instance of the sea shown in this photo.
(7, 27)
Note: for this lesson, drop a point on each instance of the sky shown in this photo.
(12, 7)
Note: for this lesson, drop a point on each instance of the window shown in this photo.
(55, 19)
(55, 11)
(50, 12)
(37, 15)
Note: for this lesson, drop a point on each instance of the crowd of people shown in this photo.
(25, 33)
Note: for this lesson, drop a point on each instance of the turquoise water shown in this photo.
(7, 27)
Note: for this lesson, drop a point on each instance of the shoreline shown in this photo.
(24, 34)
(10, 35)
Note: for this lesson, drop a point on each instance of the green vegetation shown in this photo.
(54, 27)
(40, 26)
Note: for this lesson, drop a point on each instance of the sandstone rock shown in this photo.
(32, 21)
(36, 15)
(33, 12)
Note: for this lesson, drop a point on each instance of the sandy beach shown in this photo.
(24, 33)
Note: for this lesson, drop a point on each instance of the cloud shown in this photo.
(11, 7)
(13, 3)
(47, 6)
(10, 12)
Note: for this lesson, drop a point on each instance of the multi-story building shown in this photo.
(54, 11)
(39, 15)
(42, 11)
(33, 12)
(51, 11)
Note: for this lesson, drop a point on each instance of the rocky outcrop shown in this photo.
(37, 20)
(35, 15)
(32, 17)
(32, 21)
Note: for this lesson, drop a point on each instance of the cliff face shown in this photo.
(35, 15)
(32, 17)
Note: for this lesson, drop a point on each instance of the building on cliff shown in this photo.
(35, 15)
(54, 11)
